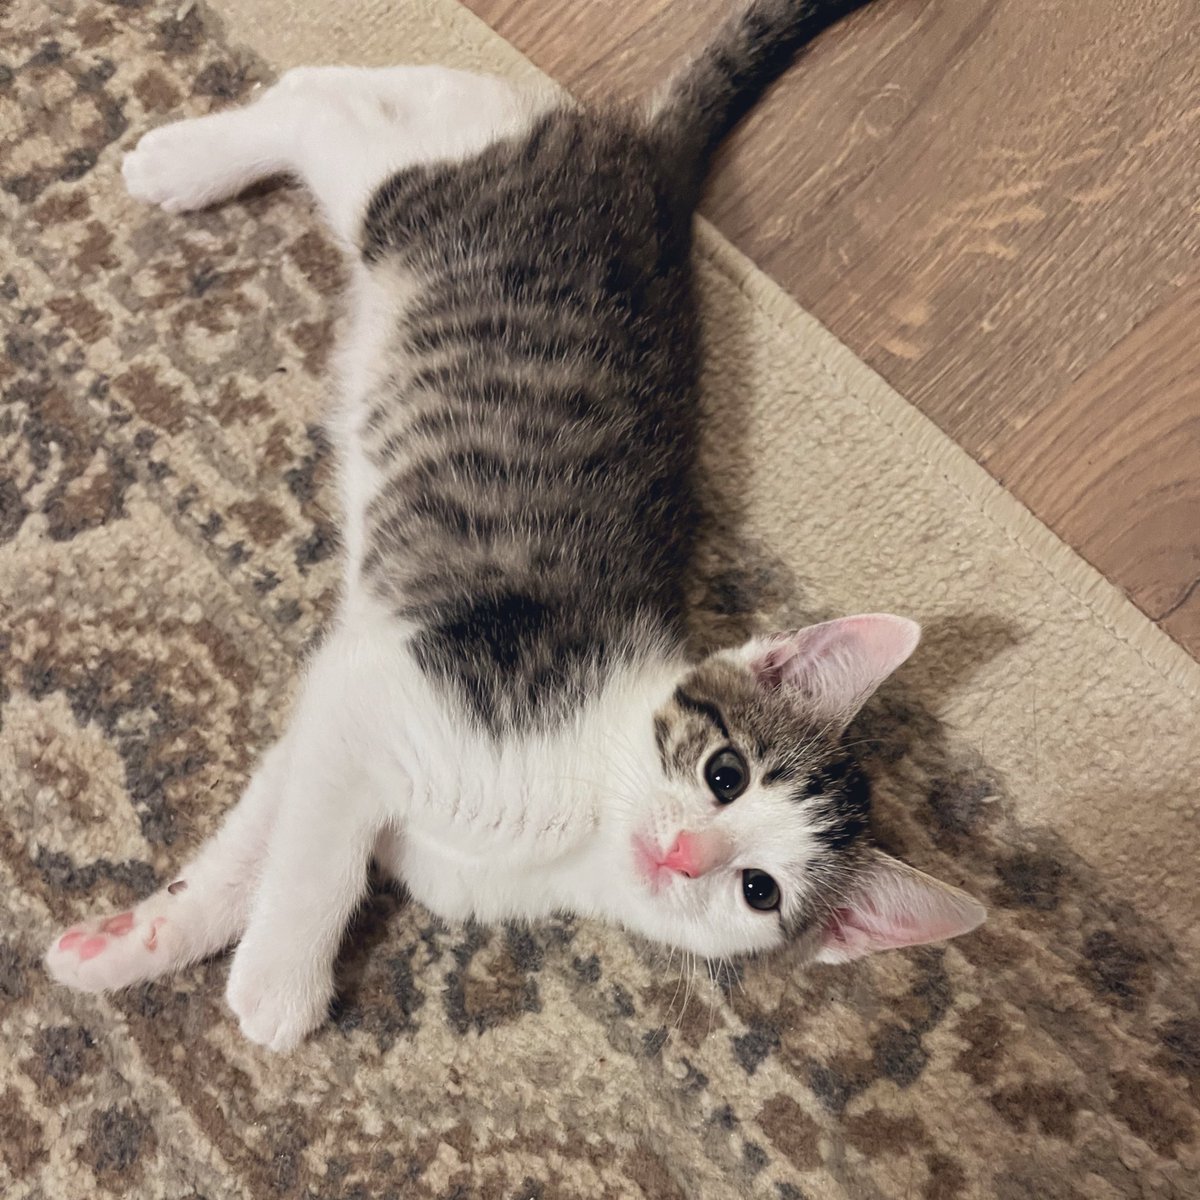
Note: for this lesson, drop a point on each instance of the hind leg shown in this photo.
(201, 912)
(342, 130)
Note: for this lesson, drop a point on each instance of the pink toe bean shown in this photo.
(92, 947)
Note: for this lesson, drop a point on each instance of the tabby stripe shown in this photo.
(703, 708)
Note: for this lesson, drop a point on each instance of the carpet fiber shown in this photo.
(167, 554)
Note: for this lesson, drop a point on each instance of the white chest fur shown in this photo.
(494, 833)
(516, 828)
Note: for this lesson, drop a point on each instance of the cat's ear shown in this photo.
(833, 668)
(896, 905)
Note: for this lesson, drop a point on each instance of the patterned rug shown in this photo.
(167, 553)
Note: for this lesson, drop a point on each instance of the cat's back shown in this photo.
(534, 423)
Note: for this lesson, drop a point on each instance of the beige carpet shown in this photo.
(166, 555)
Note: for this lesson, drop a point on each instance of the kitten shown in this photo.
(503, 714)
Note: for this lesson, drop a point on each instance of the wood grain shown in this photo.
(994, 203)
(1117, 460)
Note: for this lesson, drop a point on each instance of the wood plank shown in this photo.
(993, 202)
(1125, 477)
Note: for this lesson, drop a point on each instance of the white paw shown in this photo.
(112, 952)
(277, 1003)
(179, 167)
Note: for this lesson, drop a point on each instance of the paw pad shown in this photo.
(91, 947)
(100, 954)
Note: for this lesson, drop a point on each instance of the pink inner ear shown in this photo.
(856, 932)
(769, 666)
(897, 906)
(837, 664)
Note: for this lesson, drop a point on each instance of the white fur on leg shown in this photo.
(199, 913)
(342, 130)
(191, 164)
(315, 873)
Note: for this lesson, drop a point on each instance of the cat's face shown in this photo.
(757, 808)
(754, 833)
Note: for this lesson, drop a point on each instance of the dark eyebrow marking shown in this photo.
(703, 708)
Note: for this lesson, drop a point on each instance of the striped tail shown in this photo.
(706, 99)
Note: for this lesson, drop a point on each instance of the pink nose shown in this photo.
(695, 854)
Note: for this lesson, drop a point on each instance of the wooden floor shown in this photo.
(995, 203)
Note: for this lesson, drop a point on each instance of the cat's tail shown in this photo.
(705, 99)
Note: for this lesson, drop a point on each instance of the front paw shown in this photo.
(179, 167)
(278, 1003)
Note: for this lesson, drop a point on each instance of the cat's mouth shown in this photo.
(648, 860)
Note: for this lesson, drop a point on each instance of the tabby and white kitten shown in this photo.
(503, 713)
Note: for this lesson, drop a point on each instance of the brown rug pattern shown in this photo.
(166, 554)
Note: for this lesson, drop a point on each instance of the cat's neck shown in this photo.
(599, 771)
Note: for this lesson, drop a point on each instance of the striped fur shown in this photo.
(704, 101)
(537, 433)
(536, 430)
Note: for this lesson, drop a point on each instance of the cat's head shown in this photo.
(754, 831)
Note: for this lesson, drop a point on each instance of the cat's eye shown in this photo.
(726, 775)
(760, 890)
